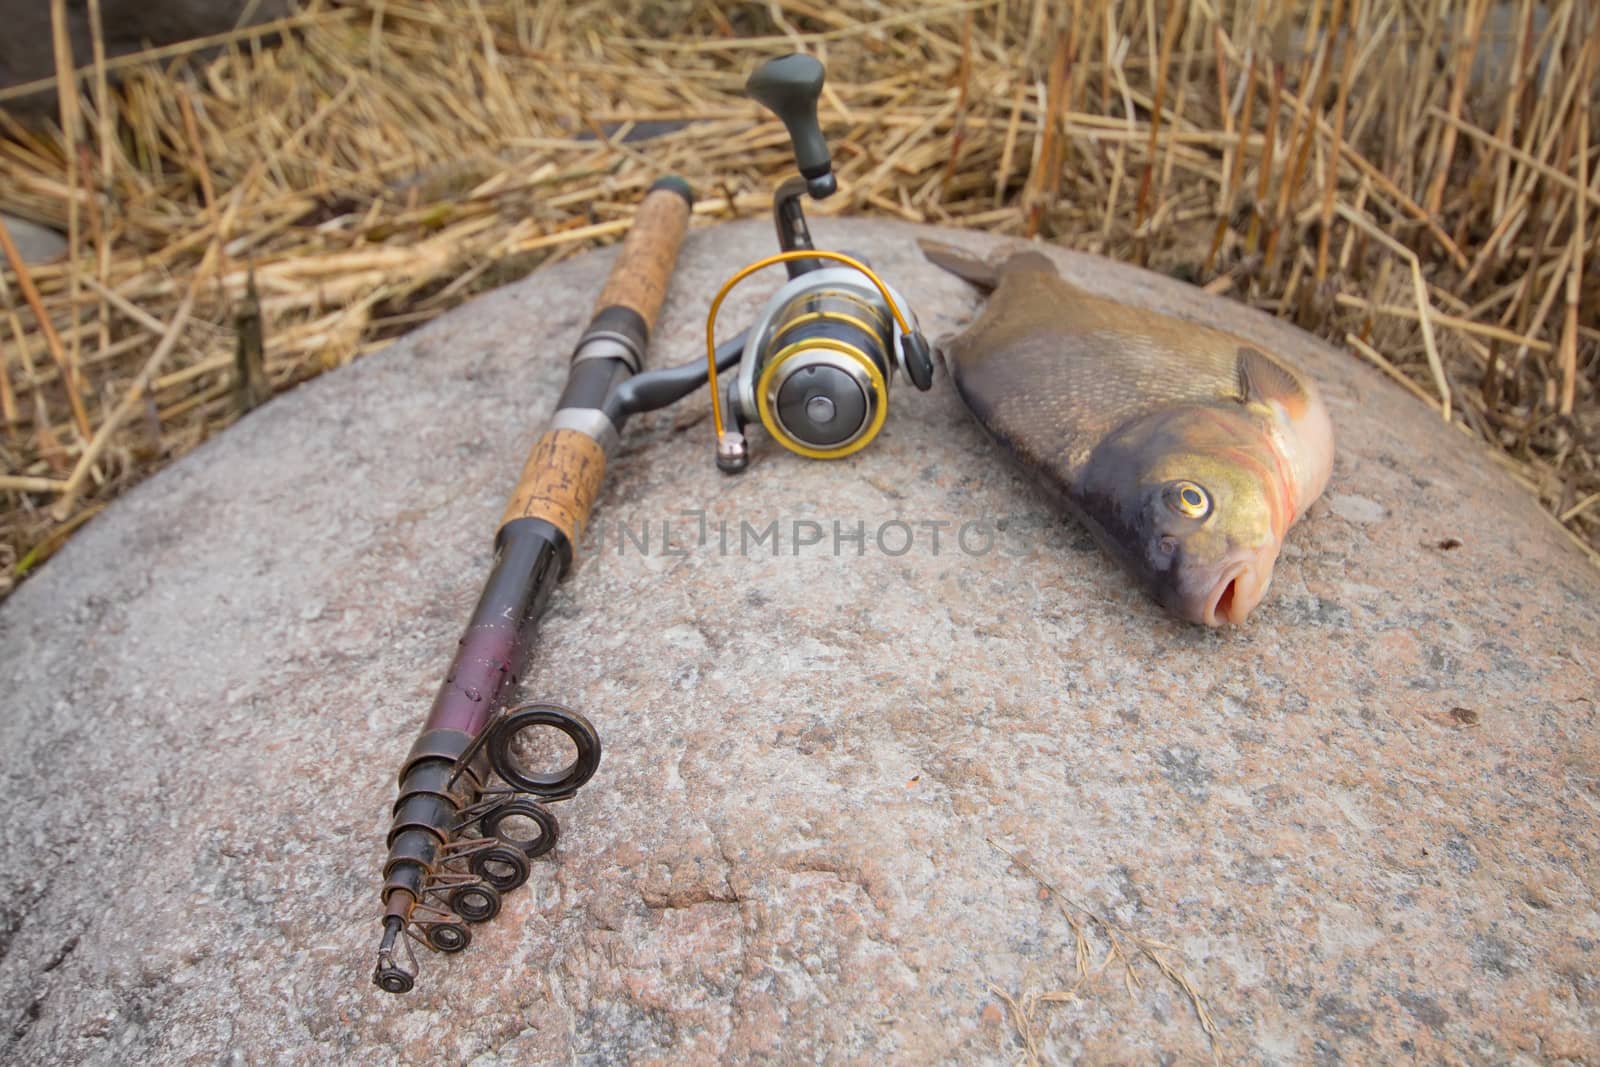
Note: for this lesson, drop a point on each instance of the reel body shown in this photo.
(818, 363)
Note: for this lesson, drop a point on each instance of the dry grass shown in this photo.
(1124, 946)
(1415, 180)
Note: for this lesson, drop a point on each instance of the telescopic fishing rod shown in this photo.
(813, 371)
(471, 812)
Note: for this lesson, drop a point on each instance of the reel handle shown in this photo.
(789, 87)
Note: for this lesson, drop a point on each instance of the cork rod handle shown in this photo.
(563, 472)
(638, 281)
(559, 482)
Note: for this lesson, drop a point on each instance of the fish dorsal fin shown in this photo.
(1020, 262)
(986, 274)
(1263, 380)
(969, 268)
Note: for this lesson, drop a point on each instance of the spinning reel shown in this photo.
(458, 841)
(816, 366)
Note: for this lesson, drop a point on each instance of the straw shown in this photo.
(373, 164)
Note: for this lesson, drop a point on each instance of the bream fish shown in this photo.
(1187, 451)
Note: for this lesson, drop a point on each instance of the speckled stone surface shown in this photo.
(835, 783)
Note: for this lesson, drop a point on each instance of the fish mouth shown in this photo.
(1234, 595)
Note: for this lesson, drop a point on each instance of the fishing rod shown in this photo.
(471, 811)
(814, 371)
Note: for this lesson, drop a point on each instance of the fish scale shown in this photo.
(1056, 384)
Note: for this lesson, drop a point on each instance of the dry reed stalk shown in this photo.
(1510, 152)
(1577, 250)
(131, 399)
(1124, 945)
(1376, 358)
(16, 483)
(46, 327)
(1579, 508)
(1465, 51)
(1425, 311)
(67, 96)
(8, 399)
(105, 134)
(1330, 173)
(1169, 35)
(1231, 181)
(384, 161)
(1044, 180)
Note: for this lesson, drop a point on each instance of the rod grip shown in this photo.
(637, 287)
(559, 482)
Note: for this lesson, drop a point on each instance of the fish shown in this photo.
(1187, 451)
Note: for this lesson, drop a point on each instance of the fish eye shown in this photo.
(1187, 498)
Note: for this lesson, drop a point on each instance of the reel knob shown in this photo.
(789, 87)
(733, 452)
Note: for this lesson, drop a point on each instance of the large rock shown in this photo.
(27, 46)
(836, 785)
(36, 244)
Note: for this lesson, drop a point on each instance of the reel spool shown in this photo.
(816, 367)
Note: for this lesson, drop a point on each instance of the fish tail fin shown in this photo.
(983, 273)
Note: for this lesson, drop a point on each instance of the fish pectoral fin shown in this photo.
(1264, 380)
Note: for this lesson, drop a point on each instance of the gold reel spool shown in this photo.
(823, 393)
(875, 394)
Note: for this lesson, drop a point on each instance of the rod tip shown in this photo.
(388, 976)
